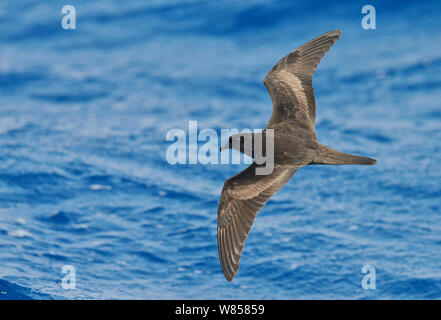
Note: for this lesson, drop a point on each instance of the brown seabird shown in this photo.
(289, 84)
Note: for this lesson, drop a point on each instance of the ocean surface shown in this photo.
(84, 180)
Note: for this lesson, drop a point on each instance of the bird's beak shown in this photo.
(223, 148)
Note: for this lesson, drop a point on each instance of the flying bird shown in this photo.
(289, 84)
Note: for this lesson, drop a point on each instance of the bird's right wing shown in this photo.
(289, 82)
(243, 196)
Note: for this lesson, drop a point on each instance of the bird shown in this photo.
(289, 84)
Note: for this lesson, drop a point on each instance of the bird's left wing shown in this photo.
(243, 196)
(289, 82)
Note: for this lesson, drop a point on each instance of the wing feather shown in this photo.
(289, 82)
(236, 215)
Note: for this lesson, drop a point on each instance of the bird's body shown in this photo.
(292, 122)
(293, 145)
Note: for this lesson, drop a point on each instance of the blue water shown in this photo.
(83, 175)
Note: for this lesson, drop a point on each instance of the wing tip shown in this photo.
(334, 35)
(225, 261)
(228, 274)
(229, 278)
(336, 32)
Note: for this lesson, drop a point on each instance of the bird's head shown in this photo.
(239, 142)
(234, 140)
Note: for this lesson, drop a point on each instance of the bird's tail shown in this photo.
(326, 155)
